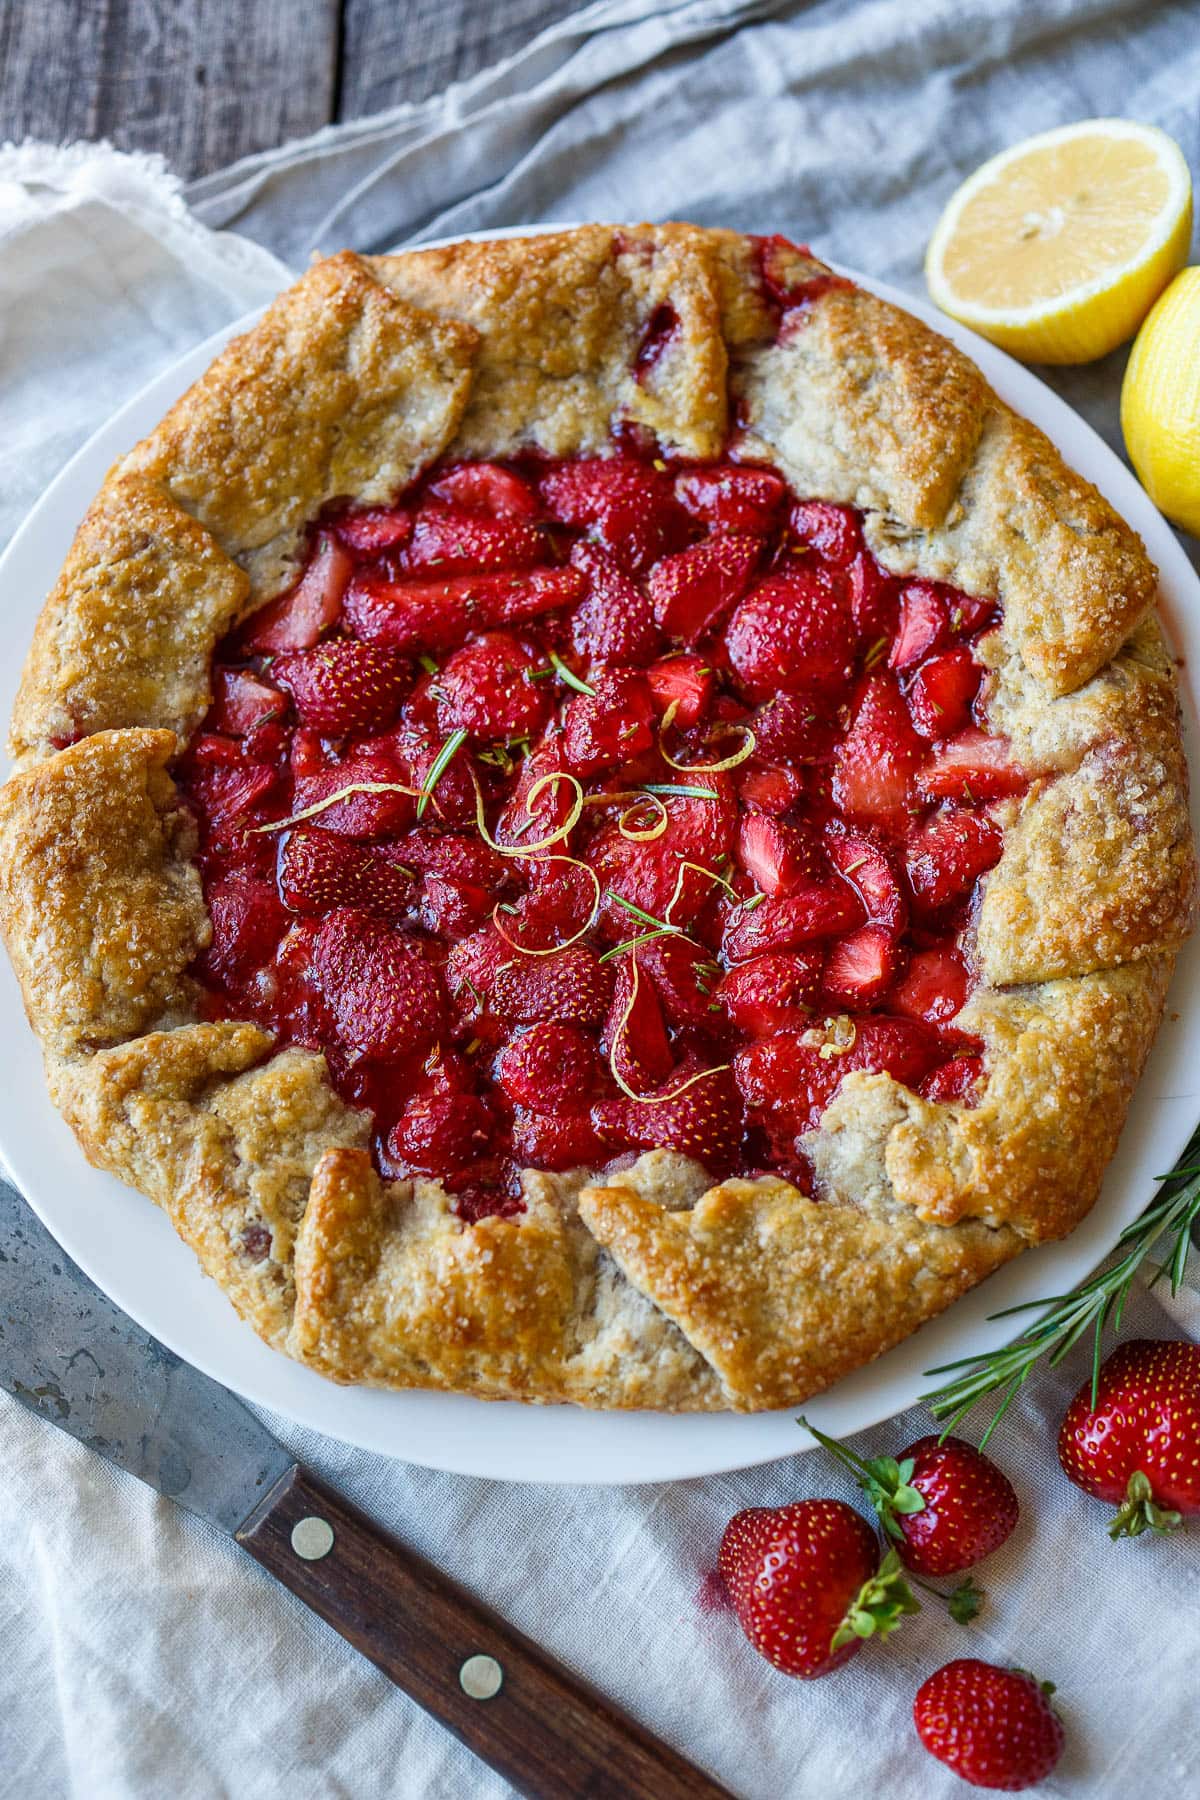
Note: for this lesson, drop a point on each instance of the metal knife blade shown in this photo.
(70, 1355)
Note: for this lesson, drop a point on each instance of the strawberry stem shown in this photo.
(1139, 1511)
(884, 1481)
(962, 1603)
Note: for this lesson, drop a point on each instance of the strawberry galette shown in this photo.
(596, 819)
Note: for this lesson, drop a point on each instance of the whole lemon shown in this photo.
(1160, 402)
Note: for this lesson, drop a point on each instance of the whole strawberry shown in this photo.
(994, 1727)
(1137, 1443)
(807, 1584)
(945, 1504)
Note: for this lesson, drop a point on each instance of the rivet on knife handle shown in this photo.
(542, 1728)
(312, 1538)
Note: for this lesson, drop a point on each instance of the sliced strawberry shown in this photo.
(832, 531)
(869, 868)
(573, 985)
(471, 970)
(941, 692)
(319, 871)
(376, 529)
(801, 917)
(771, 993)
(635, 1034)
(683, 976)
(794, 634)
(451, 908)
(247, 924)
(550, 1067)
(384, 996)
(341, 685)
(973, 766)
(933, 987)
(924, 624)
(308, 754)
(949, 853)
(773, 789)
(296, 620)
(610, 727)
(793, 728)
(628, 506)
(478, 1195)
(700, 825)
(875, 763)
(485, 487)
(693, 590)
(614, 623)
(361, 815)
(468, 543)
(703, 1121)
(231, 792)
(647, 878)
(969, 616)
(440, 1131)
(684, 683)
(874, 602)
(698, 831)
(787, 1078)
(241, 701)
(421, 741)
(436, 615)
(563, 1140)
(485, 690)
(779, 857)
(957, 1080)
(862, 966)
(454, 854)
(729, 497)
(516, 824)
(557, 908)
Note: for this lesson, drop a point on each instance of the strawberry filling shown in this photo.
(575, 809)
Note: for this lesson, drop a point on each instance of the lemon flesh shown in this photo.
(1056, 248)
(1160, 402)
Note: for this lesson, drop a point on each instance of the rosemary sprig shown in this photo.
(438, 767)
(1093, 1306)
(569, 676)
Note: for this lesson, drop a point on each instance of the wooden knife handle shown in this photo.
(541, 1728)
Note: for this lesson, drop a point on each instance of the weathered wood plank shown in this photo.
(202, 81)
(394, 50)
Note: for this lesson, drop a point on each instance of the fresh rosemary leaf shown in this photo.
(438, 767)
(1096, 1305)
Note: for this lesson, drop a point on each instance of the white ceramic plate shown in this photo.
(129, 1249)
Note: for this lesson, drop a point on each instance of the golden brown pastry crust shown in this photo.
(646, 1287)
(126, 637)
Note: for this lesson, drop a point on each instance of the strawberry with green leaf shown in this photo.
(808, 1586)
(1132, 1435)
(944, 1504)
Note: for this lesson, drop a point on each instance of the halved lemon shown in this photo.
(1057, 248)
(1160, 402)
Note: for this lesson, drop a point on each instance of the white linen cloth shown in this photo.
(145, 1658)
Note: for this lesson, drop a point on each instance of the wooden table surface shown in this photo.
(207, 81)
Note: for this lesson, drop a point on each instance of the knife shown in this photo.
(71, 1356)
